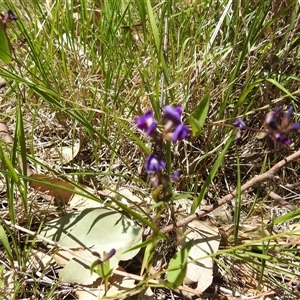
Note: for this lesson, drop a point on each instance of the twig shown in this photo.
(293, 185)
(252, 182)
(280, 200)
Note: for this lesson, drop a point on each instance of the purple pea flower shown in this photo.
(286, 119)
(175, 176)
(180, 133)
(173, 114)
(11, 16)
(281, 138)
(173, 117)
(8, 17)
(280, 133)
(154, 164)
(270, 121)
(174, 130)
(239, 124)
(109, 255)
(147, 122)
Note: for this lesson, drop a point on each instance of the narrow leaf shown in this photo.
(5, 242)
(153, 26)
(212, 173)
(198, 117)
(5, 51)
(281, 87)
(147, 253)
(287, 217)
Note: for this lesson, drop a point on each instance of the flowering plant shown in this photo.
(279, 133)
(173, 130)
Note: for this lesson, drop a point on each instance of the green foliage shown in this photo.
(295, 214)
(177, 265)
(102, 268)
(198, 117)
(5, 242)
(213, 171)
(100, 228)
(5, 51)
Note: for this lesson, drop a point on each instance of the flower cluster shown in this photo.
(8, 17)
(278, 132)
(174, 130)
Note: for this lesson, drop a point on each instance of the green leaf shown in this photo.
(99, 229)
(281, 87)
(147, 253)
(198, 117)
(287, 217)
(96, 229)
(77, 271)
(5, 242)
(5, 51)
(103, 269)
(155, 30)
(210, 177)
(177, 265)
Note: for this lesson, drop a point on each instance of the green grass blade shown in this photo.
(281, 87)
(5, 51)
(211, 175)
(5, 242)
(198, 116)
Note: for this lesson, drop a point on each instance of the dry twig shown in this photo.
(252, 182)
(280, 200)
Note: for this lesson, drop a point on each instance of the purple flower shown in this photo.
(239, 124)
(8, 17)
(175, 176)
(174, 130)
(238, 137)
(173, 114)
(281, 138)
(180, 133)
(154, 164)
(294, 126)
(279, 133)
(11, 16)
(277, 112)
(270, 120)
(109, 255)
(147, 122)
